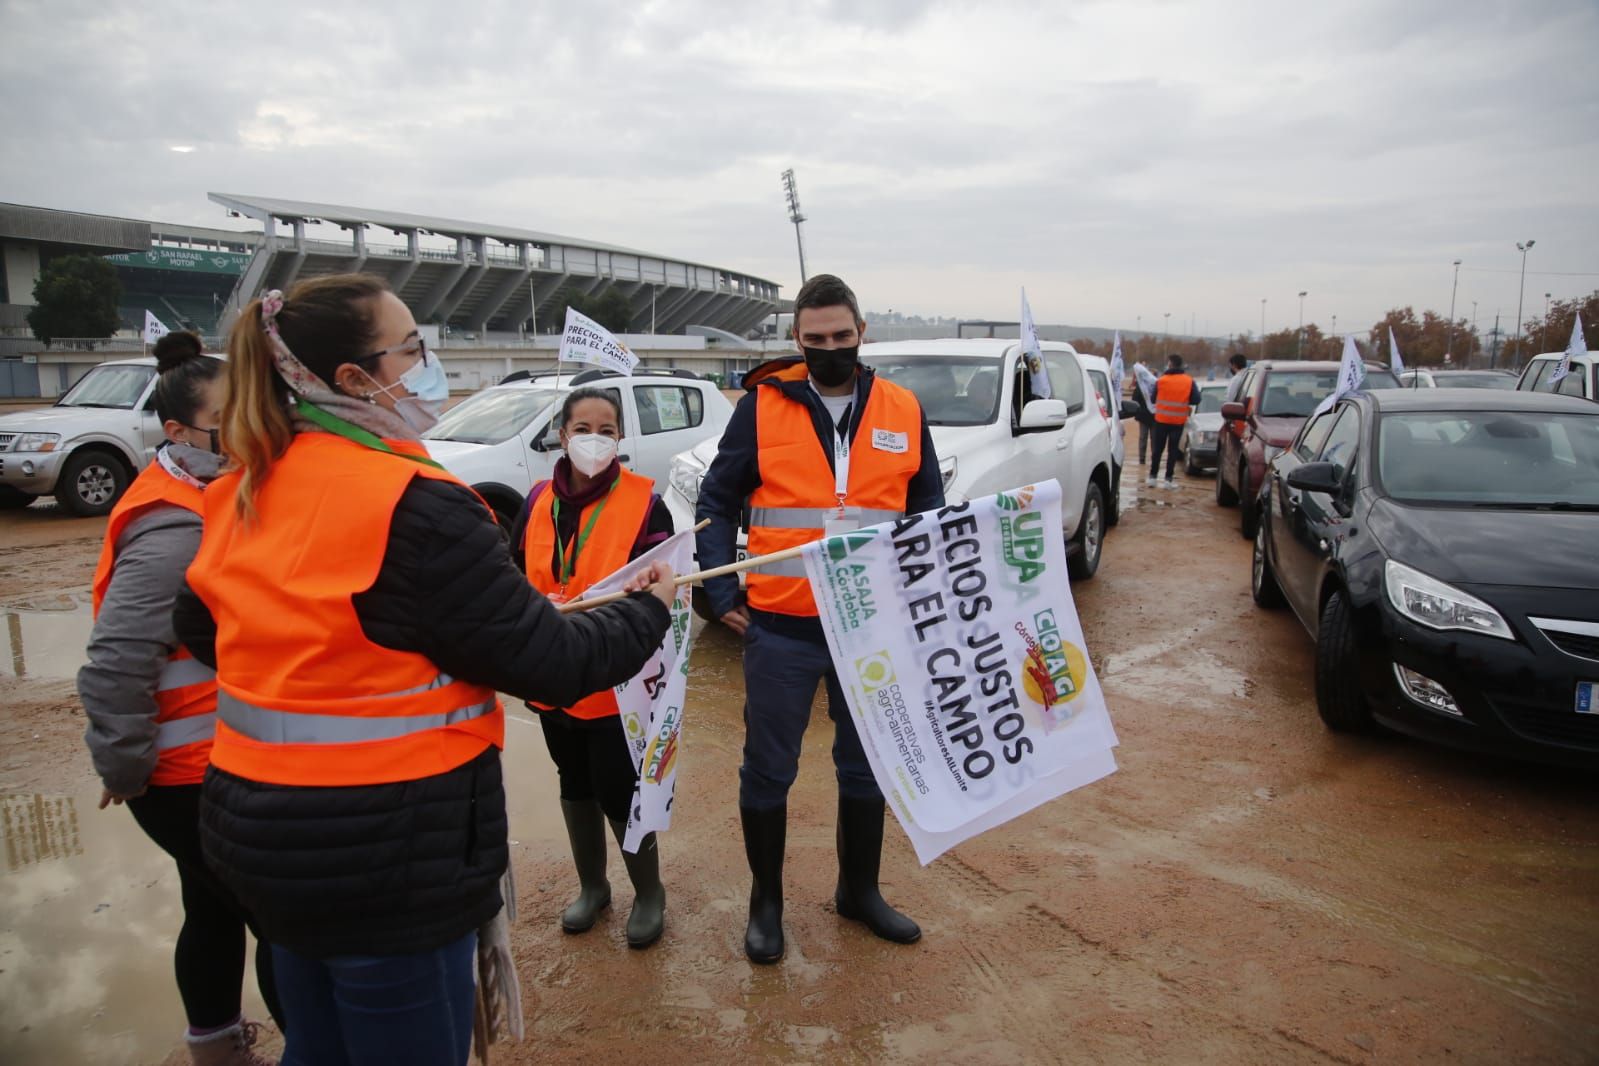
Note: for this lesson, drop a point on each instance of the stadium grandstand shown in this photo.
(484, 279)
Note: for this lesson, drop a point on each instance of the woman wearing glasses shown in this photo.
(362, 611)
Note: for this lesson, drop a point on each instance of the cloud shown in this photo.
(1121, 159)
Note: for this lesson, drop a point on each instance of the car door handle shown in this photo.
(624, 458)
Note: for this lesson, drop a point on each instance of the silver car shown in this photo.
(1199, 436)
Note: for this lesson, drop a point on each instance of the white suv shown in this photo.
(990, 432)
(87, 448)
(502, 442)
(1581, 380)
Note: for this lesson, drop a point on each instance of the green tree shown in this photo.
(1554, 333)
(75, 296)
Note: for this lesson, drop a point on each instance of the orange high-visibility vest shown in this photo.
(1172, 393)
(798, 491)
(304, 698)
(606, 551)
(186, 691)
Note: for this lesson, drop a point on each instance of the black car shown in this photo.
(1442, 547)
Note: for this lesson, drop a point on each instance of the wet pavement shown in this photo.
(1247, 888)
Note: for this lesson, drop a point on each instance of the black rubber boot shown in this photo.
(860, 853)
(585, 828)
(765, 833)
(648, 917)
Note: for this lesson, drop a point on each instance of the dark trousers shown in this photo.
(780, 677)
(1143, 442)
(380, 1010)
(1166, 438)
(592, 760)
(209, 956)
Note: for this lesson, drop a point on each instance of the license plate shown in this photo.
(1586, 703)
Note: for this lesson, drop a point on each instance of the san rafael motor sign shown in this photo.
(193, 260)
(958, 647)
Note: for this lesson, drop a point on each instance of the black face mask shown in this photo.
(832, 367)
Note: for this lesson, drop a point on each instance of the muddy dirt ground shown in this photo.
(1247, 888)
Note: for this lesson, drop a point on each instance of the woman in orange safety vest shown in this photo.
(585, 523)
(151, 706)
(362, 611)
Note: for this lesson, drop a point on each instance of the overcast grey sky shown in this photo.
(1119, 159)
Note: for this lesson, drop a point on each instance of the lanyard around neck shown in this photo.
(352, 432)
(565, 567)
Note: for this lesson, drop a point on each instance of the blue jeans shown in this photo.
(780, 676)
(366, 1010)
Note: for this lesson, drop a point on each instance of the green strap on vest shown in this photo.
(352, 432)
(566, 567)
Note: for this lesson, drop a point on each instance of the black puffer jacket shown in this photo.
(407, 867)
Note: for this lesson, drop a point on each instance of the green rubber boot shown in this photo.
(585, 828)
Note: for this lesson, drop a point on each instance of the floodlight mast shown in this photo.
(796, 216)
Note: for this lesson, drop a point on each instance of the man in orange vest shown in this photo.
(820, 445)
(1176, 394)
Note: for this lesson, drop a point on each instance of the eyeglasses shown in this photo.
(412, 345)
(214, 435)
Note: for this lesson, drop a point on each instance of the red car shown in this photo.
(1266, 405)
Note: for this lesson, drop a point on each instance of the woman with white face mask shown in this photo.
(588, 520)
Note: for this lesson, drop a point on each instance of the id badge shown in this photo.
(841, 520)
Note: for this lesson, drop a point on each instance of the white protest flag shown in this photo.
(1351, 375)
(1146, 383)
(959, 651)
(586, 341)
(1118, 369)
(1393, 353)
(1578, 346)
(154, 329)
(1033, 352)
(651, 703)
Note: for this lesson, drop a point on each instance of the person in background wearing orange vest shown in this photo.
(1176, 394)
(151, 706)
(819, 445)
(589, 520)
(362, 610)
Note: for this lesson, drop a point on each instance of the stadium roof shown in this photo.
(50, 226)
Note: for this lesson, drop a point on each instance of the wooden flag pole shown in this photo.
(692, 579)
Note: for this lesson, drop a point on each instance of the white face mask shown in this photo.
(590, 453)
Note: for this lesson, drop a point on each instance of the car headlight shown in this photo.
(946, 471)
(1427, 601)
(685, 475)
(36, 442)
(1207, 436)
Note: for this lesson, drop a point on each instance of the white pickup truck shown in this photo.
(88, 447)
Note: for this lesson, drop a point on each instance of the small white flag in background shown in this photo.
(1118, 369)
(154, 330)
(586, 341)
(1034, 353)
(1393, 353)
(1578, 346)
(1351, 375)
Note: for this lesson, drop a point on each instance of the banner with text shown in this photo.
(586, 341)
(651, 702)
(957, 644)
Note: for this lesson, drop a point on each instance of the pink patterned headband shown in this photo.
(294, 373)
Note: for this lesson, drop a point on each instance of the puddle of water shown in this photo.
(44, 636)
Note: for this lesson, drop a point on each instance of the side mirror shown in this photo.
(1129, 409)
(550, 442)
(1317, 477)
(1043, 414)
(1233, 411)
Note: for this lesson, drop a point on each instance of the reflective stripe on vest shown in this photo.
(797, 494)
(1172, 394)
(269, 726)
(181, 731)
(306, 700)
(181, 673)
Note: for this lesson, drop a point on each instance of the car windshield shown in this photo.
(1295, 393)
(109, 386)
(1491, 458)
(493, 415)
(1467, 379)
(1210, 398)
(954, 390)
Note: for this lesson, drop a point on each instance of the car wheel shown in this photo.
(1090, 536)
(1248, 518)
(1339, 701)
(1225, 495)
(1262, 581)
(14, 499)
(1113, 510)
(91, 482)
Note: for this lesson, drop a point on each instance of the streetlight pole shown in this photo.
(1449, 347)
(1546, 318)
(1263, 327)
(1299, 346)
(795, 215)
(1522, 293)
(1167, 330)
